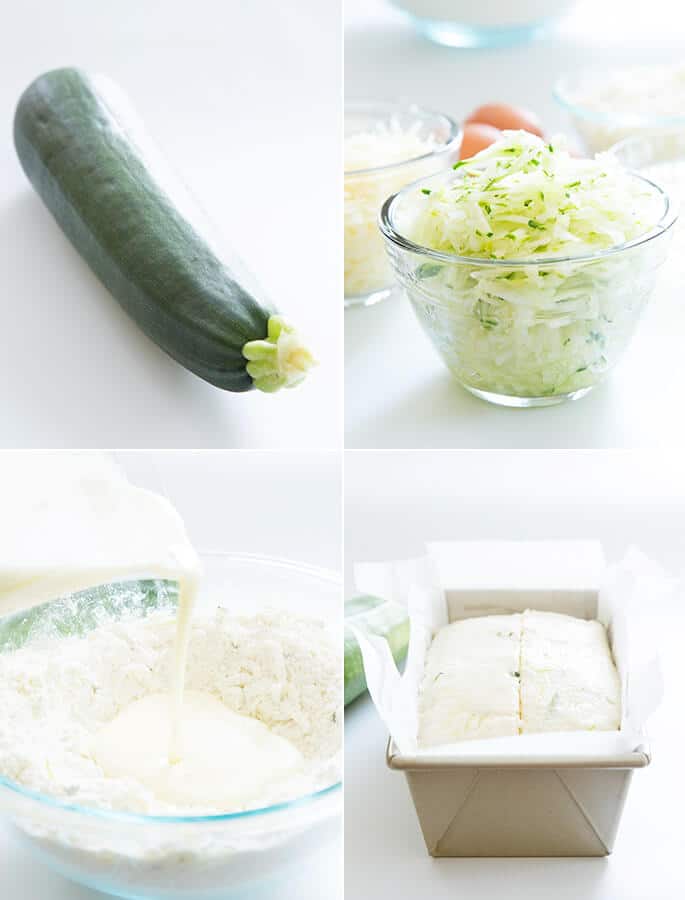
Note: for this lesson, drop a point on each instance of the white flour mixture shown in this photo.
(82, 716)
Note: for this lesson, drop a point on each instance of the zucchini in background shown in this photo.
(87, 155)
(375, 616)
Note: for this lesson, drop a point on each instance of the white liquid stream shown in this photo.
(70, 522)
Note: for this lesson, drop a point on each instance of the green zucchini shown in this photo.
(374, 616)
(86, 154)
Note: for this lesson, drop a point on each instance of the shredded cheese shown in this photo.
(394, 155)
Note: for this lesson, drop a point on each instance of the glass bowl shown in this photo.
(600, 129)
(555, 343)
(463, 23)
(191, 857)
(663, 163)
(368, 277)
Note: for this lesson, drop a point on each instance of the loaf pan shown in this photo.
(510, 806)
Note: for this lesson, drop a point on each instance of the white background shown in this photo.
(398, 392)
(244, 100)
(396, 502)
(285, 505)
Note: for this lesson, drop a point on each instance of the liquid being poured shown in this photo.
(225, 760)
(187, 595)
(186, 746)
(72, 522)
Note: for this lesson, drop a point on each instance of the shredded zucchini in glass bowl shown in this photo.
(529, 268)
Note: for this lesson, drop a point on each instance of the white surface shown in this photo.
(398, 393)
(285, 505)
(396, 502)
(244, 99)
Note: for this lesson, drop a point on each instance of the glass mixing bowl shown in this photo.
(523, 332)
(243, 854)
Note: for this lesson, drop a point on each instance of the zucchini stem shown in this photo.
(279, 360)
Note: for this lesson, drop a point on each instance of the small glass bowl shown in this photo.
(189, 857)
(510, 351)
(368, 277)
(463, 23)
(600, 129)
(663, 163)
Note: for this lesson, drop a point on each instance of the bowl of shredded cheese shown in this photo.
(387, 145)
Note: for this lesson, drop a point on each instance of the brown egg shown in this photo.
(476, 138)
(503, 116)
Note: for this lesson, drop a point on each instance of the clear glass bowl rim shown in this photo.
(141, 819)
(668, 218)
(643, 141)
(560, 92)
(368, 106)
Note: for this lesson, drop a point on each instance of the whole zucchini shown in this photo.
(88, 157)
(374, 616)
